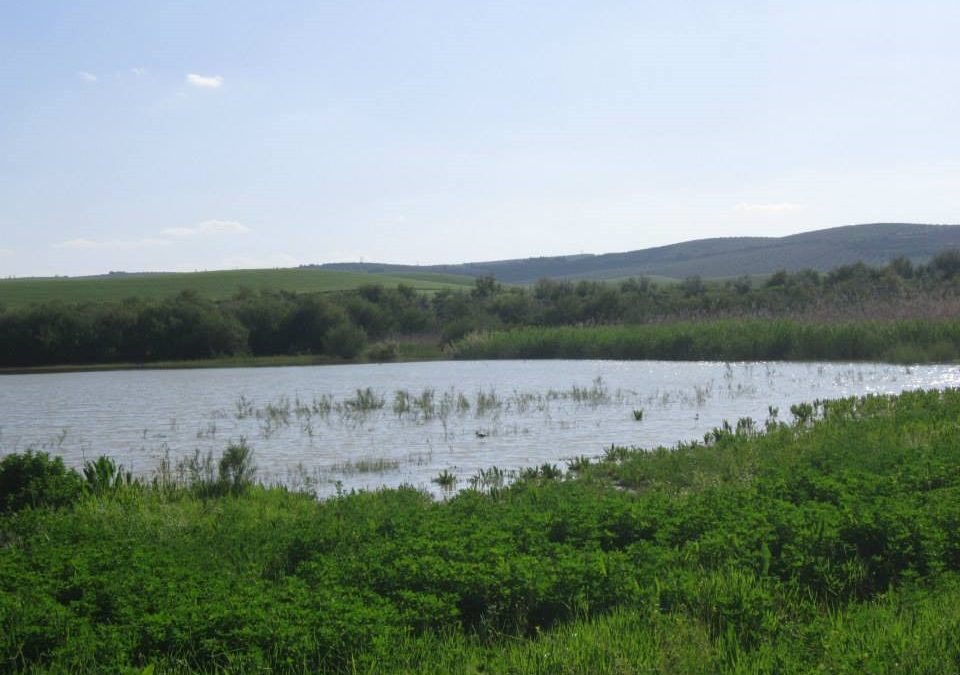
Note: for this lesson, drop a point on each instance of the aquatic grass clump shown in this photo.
(491, 478)
(365, 400)
(402, 402)
(446, 480)
(104, 475)
(322, 405)
(424, 403)
(487, 402)
(366, 465)
(244, 408)
(595, 394)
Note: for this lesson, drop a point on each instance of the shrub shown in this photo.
(345, 340)
(388, 350)
(237, 470)
(34, 479)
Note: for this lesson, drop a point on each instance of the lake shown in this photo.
(329, 428)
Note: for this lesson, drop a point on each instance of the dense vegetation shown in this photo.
(264, 323)
(830, 542)
(904, 341)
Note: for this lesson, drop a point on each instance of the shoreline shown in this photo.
(408, 354)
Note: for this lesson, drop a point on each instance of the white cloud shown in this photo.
(781, 207)
(205, 81)
(207, 227)
(6, 251)
(87, 77)
(139, 72)
(111, 244)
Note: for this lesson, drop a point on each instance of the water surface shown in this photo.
(308, 427)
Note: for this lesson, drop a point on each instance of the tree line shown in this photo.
(341, 325)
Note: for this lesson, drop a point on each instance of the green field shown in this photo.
(212, 285)
(823, 539)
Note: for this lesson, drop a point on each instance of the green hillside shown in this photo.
(212, 285)
(875, 244)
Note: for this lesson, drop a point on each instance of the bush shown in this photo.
(345, 340)
(388, 350)
(34, 479)
(237, 470)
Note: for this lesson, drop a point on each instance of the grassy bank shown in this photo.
(827, 542)
(404, 352)
(907, 341)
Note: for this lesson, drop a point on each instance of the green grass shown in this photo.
(413, 350)
(827, 543)
(906, 341)
(212, 285)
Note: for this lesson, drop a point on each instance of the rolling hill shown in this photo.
(876, 244)
(212, 285)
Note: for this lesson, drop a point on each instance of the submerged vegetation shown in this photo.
(383, 324)
(829, 540)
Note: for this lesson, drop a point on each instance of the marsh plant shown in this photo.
(104, 475)
(491, 478)
(366, 465)
(236, 470)
(446, 480)
(365, 400)
(244, 407)
(233, 473)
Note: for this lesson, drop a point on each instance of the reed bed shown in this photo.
(905, 341)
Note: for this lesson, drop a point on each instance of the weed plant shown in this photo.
(829, 542)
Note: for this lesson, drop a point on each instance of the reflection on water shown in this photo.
(363, 426)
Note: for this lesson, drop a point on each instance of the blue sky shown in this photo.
(205, 135)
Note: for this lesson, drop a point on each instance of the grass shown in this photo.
(905, 341)
(408, 351)
(829, 542)
(211, 285)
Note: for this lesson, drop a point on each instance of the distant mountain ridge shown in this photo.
(874, 243)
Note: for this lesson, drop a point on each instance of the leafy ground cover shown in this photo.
(829, 542)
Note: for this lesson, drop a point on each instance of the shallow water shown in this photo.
(307, 429)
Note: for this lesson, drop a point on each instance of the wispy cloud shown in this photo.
(168, 237)
(139, 72)
(87, 77)
(207, 227)
(6, 251)
(205, 81)
(781, 207)
(111, 244)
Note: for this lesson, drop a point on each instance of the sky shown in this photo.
(176, 136)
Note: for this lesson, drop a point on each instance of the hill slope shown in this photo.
(876, 243)
(212, 285)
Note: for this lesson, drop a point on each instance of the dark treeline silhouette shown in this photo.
(260, 323)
